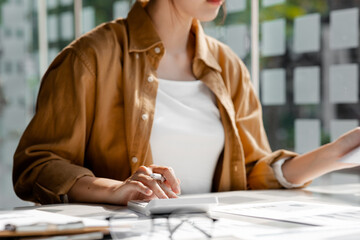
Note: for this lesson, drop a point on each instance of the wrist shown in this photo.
(277, 168)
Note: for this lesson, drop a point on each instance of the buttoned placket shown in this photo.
(146, 116)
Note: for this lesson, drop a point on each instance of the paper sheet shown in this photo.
(318, 233)
(31, 217)
(36, 217)
(317, 214)
(352, 157)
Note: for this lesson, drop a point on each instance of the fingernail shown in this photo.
(149, 192)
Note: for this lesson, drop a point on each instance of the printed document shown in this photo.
(317, 214)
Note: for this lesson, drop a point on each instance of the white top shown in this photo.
(187, 133)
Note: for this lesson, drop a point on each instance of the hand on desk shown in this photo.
(138, 186)
(323, 160)
(142, 186)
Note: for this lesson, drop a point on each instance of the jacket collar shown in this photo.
(142, 33)
(143, 36)
(202, 50)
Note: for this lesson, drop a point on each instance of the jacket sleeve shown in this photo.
(249, 122)
(50, 155)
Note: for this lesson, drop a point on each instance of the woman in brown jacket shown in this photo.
(107, 97)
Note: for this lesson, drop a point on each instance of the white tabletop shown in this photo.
(339, 195)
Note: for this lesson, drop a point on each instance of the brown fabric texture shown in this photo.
(88, 119)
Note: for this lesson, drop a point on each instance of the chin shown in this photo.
(208, 17)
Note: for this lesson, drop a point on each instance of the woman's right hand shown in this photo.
(139, 186)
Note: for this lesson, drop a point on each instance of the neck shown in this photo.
(173, 27)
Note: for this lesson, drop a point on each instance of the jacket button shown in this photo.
(134, 159)
(144, 117)
(150, 79)
(157, 50)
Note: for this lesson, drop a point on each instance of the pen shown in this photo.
(44, 226)
(157, 177)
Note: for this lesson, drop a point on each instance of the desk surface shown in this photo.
(348, 194)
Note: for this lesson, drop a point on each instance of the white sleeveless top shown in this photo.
(187, 133)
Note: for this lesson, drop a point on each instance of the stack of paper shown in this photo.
(310, 213)
(41, 223)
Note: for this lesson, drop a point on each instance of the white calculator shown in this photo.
(173, 205)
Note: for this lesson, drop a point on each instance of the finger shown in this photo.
(145, 170)
(140, 187)
(179, 182)
(153, 185)
(161, 191)
(169, 175)
(167, 190)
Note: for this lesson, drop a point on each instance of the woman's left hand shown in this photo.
(322, 160)
(342, 146)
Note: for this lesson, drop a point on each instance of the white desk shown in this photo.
(341, 194)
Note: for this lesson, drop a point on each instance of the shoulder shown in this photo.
(104, 35)
(101, 44)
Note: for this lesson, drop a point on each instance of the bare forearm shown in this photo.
(139, 186)
(309, 166)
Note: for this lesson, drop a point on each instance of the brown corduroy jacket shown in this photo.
(96, 106)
